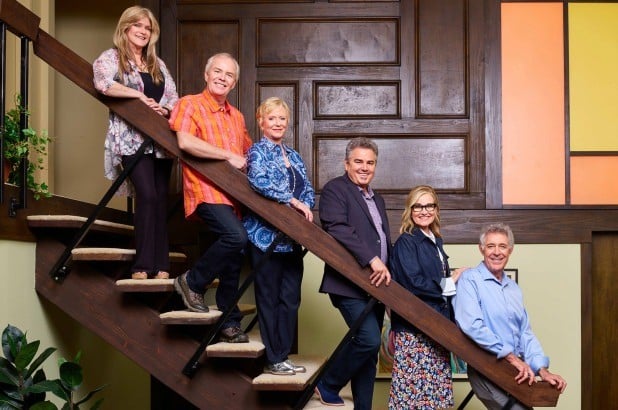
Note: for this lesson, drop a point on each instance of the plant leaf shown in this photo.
(54, 386)
(8, 373)
(7, 402)
(44, 405)
(71, 375)
(39, 360)
(9, 335)
(26, 354)
(92, 393)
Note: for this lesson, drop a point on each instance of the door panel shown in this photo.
(604, 317)
(406, 73)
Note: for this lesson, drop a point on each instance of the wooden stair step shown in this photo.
(115, 254)
(252, 350)
(298, 382)
(186, 317)
(76, 222)
(150, 285)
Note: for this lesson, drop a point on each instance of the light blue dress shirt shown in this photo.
(492, 313)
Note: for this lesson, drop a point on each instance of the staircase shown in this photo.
(132, 323)
(146, 320)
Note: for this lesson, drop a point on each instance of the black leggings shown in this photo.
(150, 177)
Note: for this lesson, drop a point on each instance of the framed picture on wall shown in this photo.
(385, 355)
(459, 367)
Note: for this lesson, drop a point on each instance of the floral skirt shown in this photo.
(421, 374)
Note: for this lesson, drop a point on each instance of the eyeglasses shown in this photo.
(427, 207)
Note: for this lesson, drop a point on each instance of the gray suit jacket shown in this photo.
(345, 216)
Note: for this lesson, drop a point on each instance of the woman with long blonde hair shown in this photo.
(131, 69)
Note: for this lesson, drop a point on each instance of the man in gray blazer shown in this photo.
(356, 217)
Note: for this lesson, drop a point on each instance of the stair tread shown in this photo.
(186, 317)
(151, 285)
(254, 349)
(114, 254)
(297, 382)
(73, 221)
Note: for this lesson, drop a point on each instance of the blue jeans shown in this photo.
(357, 361)
(223, 259)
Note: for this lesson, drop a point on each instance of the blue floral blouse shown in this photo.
(269, 177)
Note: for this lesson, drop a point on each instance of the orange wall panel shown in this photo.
(593, 180)
(533, 134)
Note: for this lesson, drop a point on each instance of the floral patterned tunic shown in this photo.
(122, 138)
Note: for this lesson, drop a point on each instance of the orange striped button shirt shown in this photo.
(200, 115)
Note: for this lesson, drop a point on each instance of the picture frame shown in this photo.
(459, 368)
(385, 355)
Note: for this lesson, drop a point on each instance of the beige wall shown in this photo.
(549, 276)
(129, 385)
(81, 123)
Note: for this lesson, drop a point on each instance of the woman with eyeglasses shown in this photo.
(421, 377)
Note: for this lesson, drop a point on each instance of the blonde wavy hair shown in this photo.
(407, 224)
(129, 17)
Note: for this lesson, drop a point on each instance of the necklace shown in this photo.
(293, 179)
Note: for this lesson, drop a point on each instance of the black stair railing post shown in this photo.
(2, 103)
(193, 364)
(22, 201)
(61, 268)
(308, 391)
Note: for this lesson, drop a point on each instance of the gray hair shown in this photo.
(360, 142)
(497, 228)
(211, 61)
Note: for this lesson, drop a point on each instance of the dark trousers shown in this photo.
(358, 360)
(223, 259)
(277, 296)
(493, 397)
(151, 178)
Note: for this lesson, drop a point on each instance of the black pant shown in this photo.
(223, 259)
(150, 177)
(277, 296)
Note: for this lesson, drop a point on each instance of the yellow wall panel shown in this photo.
(593, 180)
(593, 80)
(533, 143)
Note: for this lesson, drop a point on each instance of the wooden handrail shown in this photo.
(23, 22)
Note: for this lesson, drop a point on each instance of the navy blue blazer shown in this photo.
(415, 264)
(345, 216)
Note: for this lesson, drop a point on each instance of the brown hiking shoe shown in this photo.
(192, 300)
(233, 334)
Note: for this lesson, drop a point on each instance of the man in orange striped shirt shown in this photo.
(208, 126)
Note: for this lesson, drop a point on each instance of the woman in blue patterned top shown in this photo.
(277, 172)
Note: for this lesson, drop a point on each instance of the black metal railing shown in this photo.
(20, 202)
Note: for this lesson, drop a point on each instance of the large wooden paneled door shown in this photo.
(409, 73)
(604, 316)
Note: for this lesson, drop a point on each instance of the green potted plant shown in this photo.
(23, 385)
(17, 147)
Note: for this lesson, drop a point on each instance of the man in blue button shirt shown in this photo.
(489, 309)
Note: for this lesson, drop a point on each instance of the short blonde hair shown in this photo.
(407, 223)
(269, 105)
